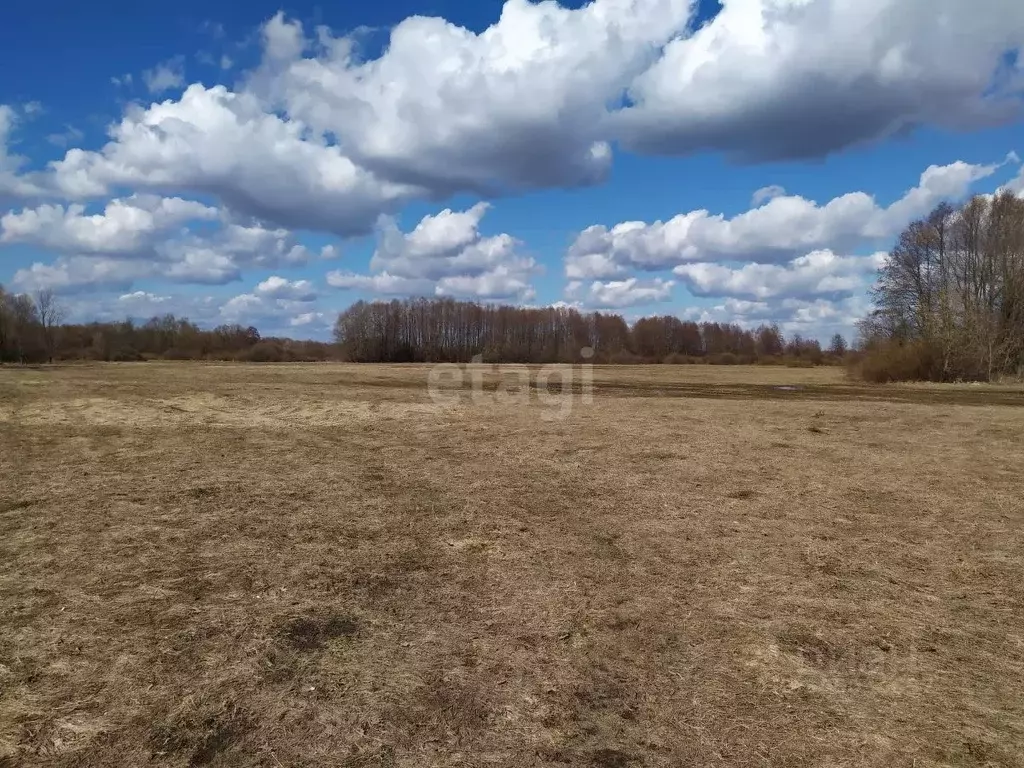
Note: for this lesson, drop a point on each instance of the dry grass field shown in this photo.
(319, 565)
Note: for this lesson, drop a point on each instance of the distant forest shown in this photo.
(416, 330)
(32, 331)
(444, 330)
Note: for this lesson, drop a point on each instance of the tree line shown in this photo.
(415, 330)
(446, 330)
(32, 331)
(949, 301)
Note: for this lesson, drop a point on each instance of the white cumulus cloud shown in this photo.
(811, 318)
(275, 287)
(277, 308)
(521, 104)
(126, 225)
(214, 141)
(384, 283)
(445, 255)
(629, 292)
(820, 273)
(142, 296)
(444, 245)
(81, 273)
(780, 229)
(772, 79)
(118, 248)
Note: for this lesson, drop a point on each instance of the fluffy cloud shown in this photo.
(245, 245)
(283, 40)
(204, 264)
(445, 255)
(778, 230)
(505, 281)
(318, 137)
(275, 287)
(265, 310)
(384, 284)
(771, 79)
(245, 305)
(448, 244)
(629, 293)
(502, 282)
(105, 255)
(165, 76)
(307, 318)
(75, 274)
(214, 141)
(223, 255)
(536, 98)
(143, 296)
(81, 273)
(818, 274)
(813, 318)
(521, 104)
(594, 253)
(127, 225)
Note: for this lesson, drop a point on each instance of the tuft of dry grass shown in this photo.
(318, 565)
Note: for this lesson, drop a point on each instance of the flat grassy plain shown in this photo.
(319, 565)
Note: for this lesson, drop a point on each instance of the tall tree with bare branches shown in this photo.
(951, 293)
(51, 315)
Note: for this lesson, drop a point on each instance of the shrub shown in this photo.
(891, 361)
(263, 352)
(125, 355)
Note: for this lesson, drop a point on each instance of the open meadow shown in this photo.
(322, 565)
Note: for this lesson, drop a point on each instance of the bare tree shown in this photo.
(26, 329)
(51, 315)
(952, 291)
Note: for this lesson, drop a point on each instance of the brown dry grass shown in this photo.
(317, 565)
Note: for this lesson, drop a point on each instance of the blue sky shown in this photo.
(749, 161)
